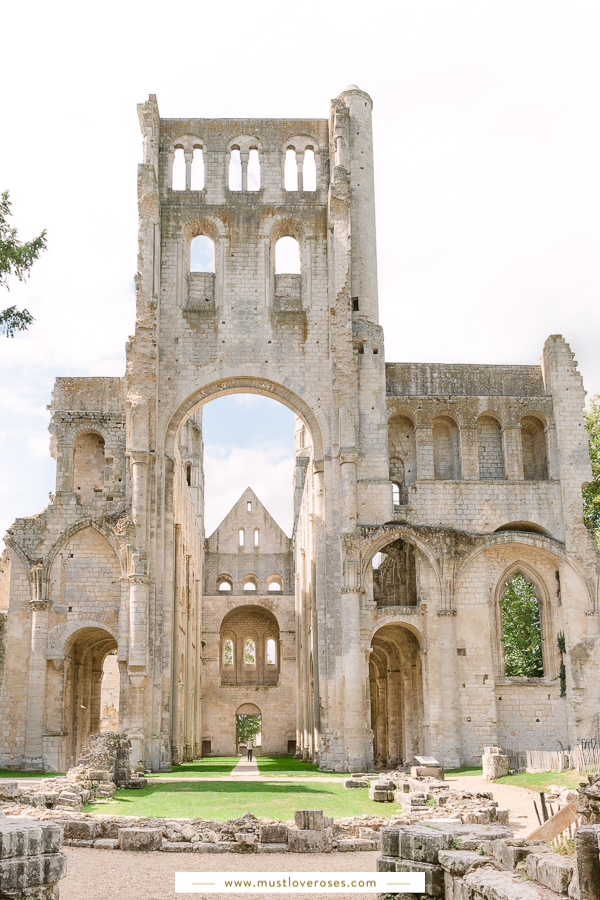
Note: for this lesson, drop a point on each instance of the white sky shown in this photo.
(487, 141)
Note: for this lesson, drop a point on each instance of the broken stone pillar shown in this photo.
(588, 861)
(494, 762)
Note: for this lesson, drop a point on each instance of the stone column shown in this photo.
(513, 452)
(189, 156)
(170, 160)
(137, 657)
(36, 685)
(469, 459)
(348, 488)
(424, 445)
(139, 478)
(354, 676)
(449, 748)
(244, 155)
(300, 168)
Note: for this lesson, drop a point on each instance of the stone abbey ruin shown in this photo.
(378, 631)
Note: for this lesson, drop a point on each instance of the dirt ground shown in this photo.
(104, 875)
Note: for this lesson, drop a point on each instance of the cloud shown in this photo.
(268, 470)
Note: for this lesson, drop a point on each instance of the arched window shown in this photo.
(256, 537)
(235, 170)
(395, 575)
(249, 506)
(202, 254)
(198, 174)
(287, 256)
(224, 583)
(271, 652)
(274, 583)
(290, 170)
(446, 454)
(521, 629)
(402, 447)
(396, 494)
(250, 583)
(489, 448)
(188, 474)
(228, 659)
(241, 538)
(533, 442)
(178, 177)
(88, 466)
(249, 652)
(253, 170)
(310, 170)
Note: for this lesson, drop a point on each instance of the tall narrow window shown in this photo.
(235, 170)
(178, 181)
(202, 254)
(310, 170)
(290, 172)
(253, 171)
(256, 537)
(271, 652)
(396, 495)
(287, 256)
(198, 170)
(241, 538)
(249, 652)
(521, 630)
(188, 474)
(249, 506)
(228, 653)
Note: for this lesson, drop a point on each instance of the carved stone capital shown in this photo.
(40, 605)
(446, 612)
(139, 456)
(591, 612)
(138, 579)
(352, 589)
(349, 456)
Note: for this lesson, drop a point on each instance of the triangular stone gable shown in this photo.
(226, 538)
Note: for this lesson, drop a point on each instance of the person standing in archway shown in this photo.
(249, 748)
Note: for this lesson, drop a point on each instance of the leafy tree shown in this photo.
(16, 258)
(521, 633)
(591, 494)
(247, 727)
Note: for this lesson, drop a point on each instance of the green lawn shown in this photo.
(467, 770)
(541, 781)
(287, 765)
(10, 773)
(211, 767)
(228, 799)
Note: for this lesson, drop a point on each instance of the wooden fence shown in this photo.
(585, 760)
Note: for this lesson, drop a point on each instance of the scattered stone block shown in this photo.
(80, 829)
(273, 834)
(434, 875)
(30, 861)
(356, 783)
(309, 819)
(273, 848)
(458, 862)
(494, 762)
(550, 869)
(309, 841)
(106, 844)
(174, 847)
(9, 790)
(144, 839)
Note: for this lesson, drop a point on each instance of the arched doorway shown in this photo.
(248, 724)
(396, 684)
(86, 654)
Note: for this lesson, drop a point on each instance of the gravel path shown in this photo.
(103, 875)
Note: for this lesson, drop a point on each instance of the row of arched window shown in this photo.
(248, 648)
(188, 172)
(287, 255)
(491, 464)
(249, 583)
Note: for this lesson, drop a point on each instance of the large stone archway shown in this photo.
(396, 684)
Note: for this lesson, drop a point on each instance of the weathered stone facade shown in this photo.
(452, 477)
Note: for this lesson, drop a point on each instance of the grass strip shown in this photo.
(210, 767)
(287, 765)
(229, 799)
